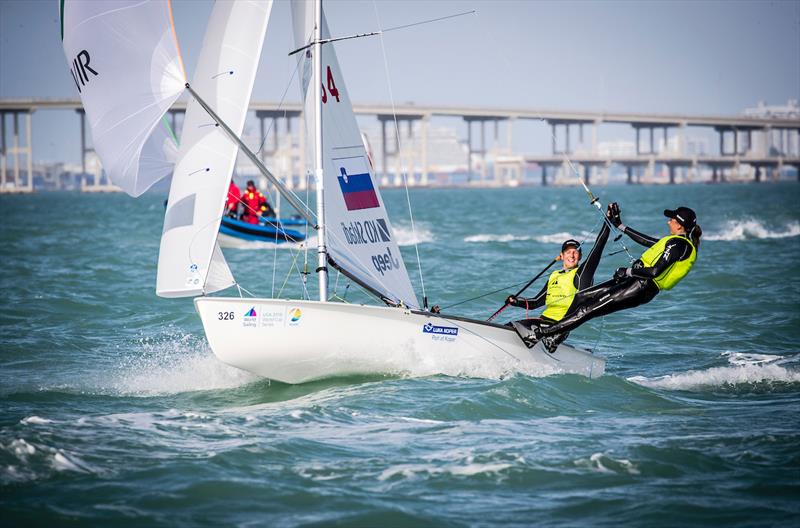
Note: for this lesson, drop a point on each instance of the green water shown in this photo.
(114, 410)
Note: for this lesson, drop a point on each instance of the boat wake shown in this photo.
(751, 229)
(172, 364)
(745, 371)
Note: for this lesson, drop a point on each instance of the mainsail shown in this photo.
(127, 67)
(360, 237)
(190, 261)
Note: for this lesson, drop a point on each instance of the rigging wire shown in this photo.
(379, 32)
(280, 105)
(447, 17)
(289, 273)
(399, 149)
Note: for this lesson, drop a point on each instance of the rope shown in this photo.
(280, 105)
(289, 273)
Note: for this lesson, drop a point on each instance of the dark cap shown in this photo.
(570, 243)
(251, 183)
(683, 215)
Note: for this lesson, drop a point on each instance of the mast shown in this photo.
(316, 79)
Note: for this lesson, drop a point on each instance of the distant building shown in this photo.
(778, 142)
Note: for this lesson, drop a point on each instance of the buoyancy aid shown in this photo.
(676, 271)
(560, 292)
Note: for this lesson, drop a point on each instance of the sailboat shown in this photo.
(235, 233)
(297, 340)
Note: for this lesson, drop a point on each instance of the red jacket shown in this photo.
(253, 201)
(234, 194)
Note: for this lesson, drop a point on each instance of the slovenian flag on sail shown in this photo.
(358, 191)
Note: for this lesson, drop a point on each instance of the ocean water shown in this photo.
(113, 410)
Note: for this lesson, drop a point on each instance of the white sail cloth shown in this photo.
(127, 67)
(360, 238)
(190, 261)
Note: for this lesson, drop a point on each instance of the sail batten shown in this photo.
(190, 262)
(360, 238)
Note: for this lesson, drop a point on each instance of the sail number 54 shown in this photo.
(331, 88)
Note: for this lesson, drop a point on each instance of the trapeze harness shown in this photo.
(661, 267)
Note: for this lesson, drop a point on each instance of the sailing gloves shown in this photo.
(613, 214)
(621, 274)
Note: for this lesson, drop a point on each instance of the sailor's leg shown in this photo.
(528, 329)
(626, 294)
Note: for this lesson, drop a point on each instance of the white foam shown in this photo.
(603, 463)
(61, 462)
(554, 238)
(410, 471)
(179, 363)
(22, 449)
(750, 358)
(404, 235)
(558, 238)
(747, 373)
(751, 228)
(482, 238)
(35, 420)
(192, 373)
(464, 364)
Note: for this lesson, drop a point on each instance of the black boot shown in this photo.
(529, 336)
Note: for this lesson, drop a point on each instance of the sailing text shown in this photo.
(366, 232)
(80, 67)
(385, 262)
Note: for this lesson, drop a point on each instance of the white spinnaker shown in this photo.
(190, 261)
(125, 61)
(360, 236)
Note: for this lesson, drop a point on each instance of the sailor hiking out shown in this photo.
(666, 261)
(558, 295)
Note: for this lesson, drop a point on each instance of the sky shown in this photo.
(694, 57)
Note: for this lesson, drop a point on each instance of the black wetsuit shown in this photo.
(583, 280)
(636, 289)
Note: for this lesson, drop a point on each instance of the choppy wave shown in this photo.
(405, 236)
(604, 463)
(496, 238)
(25, 461)
(746, 369)
(750, 229)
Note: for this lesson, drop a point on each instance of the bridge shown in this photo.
(759, 145)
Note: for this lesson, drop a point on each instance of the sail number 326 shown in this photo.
(331, 88)
(225, 316)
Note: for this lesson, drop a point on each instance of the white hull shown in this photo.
(300, 341)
